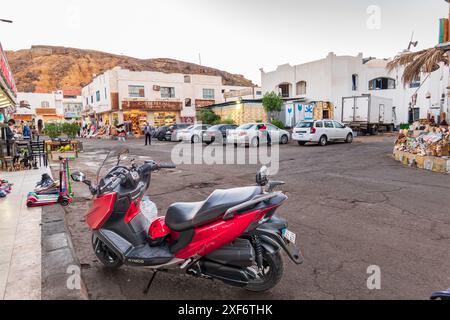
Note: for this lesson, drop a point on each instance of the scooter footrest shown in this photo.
(149, 256)
(117, 241)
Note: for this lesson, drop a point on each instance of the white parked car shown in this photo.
(254, 134)
(321, 132)
(193, 133)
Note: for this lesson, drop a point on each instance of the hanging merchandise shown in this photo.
(432, 142)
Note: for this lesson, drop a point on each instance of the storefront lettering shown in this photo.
(152, 105)
(204, 103)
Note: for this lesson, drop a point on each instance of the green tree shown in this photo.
(272, 102)
(207, 116)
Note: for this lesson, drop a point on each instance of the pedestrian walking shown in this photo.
(148, 131)
(121, 133)
(26, 132)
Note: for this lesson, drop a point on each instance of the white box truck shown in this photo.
(368, 113)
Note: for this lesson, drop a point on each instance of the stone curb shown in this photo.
(61, 270)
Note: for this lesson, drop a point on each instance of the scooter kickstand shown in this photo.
(150, 283)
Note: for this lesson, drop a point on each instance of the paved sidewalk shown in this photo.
(20, 239)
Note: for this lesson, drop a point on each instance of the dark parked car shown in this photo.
(172, 131)
(160, 133)
(217, 133)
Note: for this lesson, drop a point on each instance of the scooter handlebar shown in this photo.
(167, 166)
(153, 166)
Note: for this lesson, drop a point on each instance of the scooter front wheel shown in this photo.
(108, 258)
(273, 272)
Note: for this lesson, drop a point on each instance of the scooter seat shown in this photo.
(182, 216)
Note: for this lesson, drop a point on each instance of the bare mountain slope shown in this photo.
(47, 68)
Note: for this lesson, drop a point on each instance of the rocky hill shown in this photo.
(47, 68)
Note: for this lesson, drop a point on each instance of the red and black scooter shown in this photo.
(234, 235)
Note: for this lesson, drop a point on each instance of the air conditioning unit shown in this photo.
(156, 88)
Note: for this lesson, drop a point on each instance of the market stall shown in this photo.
(62, 148)
(425, 147)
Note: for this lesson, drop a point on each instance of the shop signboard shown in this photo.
(6, 73)
(300, 112)
(201, 103)
(309, 112)
(151, 105)
(290, 115)
(71, 115)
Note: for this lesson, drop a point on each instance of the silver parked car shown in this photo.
(218, 133)
(254, 134)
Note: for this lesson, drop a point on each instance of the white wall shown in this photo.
(100, 83)
(35, 100)
(330, 79)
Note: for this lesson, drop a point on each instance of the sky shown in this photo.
(238, 36)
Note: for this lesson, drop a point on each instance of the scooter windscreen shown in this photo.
(119, 157)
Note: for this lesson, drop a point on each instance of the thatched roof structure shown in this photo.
(415, 63)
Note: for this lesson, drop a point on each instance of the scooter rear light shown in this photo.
(158, 232)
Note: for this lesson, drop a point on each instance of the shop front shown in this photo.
(164, 119)
(135, 120)
(242, 111)
(48, 115)
(157, 113)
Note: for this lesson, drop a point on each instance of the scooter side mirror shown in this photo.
(78, 176)
(262, 177)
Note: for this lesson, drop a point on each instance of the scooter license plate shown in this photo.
(289, 236)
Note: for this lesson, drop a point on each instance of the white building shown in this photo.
(335, 77)
(120, 95)
(43, 108)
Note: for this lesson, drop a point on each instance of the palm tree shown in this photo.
(415, 63)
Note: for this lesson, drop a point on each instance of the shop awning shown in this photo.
(5, 100)
(23, 117)
(52, 117)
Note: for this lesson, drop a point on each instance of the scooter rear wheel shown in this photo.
(273, 272)
(108, 258)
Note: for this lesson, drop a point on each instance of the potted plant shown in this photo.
(70, 130)
(53, 130)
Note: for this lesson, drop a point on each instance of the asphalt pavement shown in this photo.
(352, 206)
